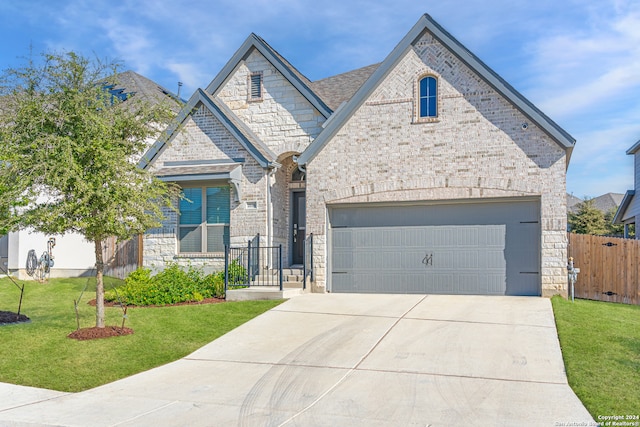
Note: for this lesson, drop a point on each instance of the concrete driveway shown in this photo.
(343, 360)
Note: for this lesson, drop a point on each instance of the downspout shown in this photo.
(270, 173)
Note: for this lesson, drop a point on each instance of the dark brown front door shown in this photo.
(298, 227)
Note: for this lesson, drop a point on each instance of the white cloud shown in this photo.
(580, 70)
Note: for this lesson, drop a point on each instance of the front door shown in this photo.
(298, 227)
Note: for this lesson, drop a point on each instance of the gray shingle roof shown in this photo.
(603, 203)
(608, 201)
(131, 82)
(573, 202)
(195, 170)
(337, 89)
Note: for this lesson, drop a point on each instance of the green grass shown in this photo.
(39, 354)
(601, 349)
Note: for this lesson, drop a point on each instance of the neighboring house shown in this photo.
(426, 173)
(608, 202)
(629, 210)
(74, 256)
(573, 202)
(603, 203)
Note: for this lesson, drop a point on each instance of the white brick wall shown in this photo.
(476, 149)
(204, 138)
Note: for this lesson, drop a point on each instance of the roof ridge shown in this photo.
(284, 60)
(284, 67)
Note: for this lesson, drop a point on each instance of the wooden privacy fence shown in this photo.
(121, 258)
(609, 268)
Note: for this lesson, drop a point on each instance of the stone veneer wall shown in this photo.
(475, 149)
(205, 138)
(284, 120)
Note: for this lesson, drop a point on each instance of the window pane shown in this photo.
(191, 210)
(190, 239)
(428, 97)
(432, 86)
(217, 237)
(423, 87)
(218, 205)
(432, 107)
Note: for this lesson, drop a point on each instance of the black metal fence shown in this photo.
(253, 265)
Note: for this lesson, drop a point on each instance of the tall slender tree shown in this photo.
(66, 154)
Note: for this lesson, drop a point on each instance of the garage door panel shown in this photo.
(490, 248)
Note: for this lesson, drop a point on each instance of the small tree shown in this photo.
(66, 150)
(616, 229)
(588, 219)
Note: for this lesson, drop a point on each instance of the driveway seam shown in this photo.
(351, 370)
(337, 314)
(478, 322)
(459, 376)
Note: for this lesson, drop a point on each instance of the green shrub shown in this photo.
(237, 274)
(172, 285)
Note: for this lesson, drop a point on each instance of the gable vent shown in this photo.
(256, 85)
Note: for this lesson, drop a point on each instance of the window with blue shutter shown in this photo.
(204, 219)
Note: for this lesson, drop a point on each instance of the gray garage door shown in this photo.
(466, 248)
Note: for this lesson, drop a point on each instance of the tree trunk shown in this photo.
(99, 285)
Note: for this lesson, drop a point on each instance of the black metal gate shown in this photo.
(253, 265)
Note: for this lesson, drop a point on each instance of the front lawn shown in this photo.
(601, 349)
(39, 354)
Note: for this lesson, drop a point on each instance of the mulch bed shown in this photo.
(8, 318)
(95, 333)
(204, 301)
(116, 331)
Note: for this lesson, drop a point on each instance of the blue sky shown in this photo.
(577, 60)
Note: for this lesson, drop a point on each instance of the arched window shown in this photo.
(428, 102)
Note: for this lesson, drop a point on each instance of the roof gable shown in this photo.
(634, 149)
(263, 155)
(426, 23)
(297, 79)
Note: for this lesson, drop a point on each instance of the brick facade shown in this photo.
(284, 120)
(204, 138)
(476, 149)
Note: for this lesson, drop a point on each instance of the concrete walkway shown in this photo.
(343, 360)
